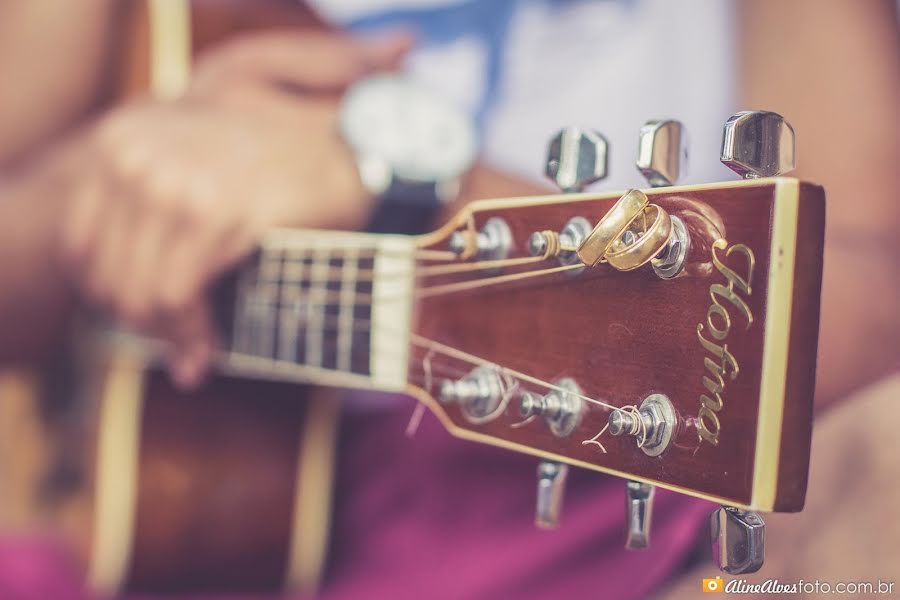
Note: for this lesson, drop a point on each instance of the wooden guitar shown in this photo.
(667, 337)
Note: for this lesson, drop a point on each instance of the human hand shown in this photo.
(169, 195)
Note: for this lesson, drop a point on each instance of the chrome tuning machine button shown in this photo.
(738, 540)
(638, 514)
(662, 152)
(662, 160)
(652, 424)
(576, 158)
(478, 394)
(493, 242)
(562, 245)
(757, 144)
(561, 410)
(551, 480)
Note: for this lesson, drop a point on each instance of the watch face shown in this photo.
(420, 135)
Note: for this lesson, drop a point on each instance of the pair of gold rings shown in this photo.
(629, 236)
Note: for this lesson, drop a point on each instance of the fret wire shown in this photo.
(291, 300)
(336, 274)
(295, 293)
(362, 252)
(318, 290)
(347, 303)
(267, 294)
(240, 336)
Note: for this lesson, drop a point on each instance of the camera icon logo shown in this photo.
(713, 585)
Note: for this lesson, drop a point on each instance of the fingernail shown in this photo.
(392, 44)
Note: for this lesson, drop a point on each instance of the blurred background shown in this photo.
(99, 112)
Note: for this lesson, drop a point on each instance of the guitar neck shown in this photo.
(329, 308)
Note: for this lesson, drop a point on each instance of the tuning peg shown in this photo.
(758, 144)
(662, 159)
(576, 158)
(638, 513)
(493, 242)
(662, 152)
(652, 424)
(551, 480)
(738, 540)
(561, 410)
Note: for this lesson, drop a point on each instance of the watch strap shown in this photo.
(407, 207)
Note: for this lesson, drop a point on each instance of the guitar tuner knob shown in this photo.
(493, 242)
(758, 144)
(662, 152)
(652, 425)
(576, 158)
(551, 481)
(662, 160)
(478, 394)
(560, 409)
(561, 245)
(738, 540)
(638, 514)
(669, 263)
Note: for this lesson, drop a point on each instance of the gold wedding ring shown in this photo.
(627, 257)
(612, 226)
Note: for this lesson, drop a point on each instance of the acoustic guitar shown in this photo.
(665, 336)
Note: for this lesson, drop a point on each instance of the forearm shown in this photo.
(35, 298)
(833, 69)
(55, 59)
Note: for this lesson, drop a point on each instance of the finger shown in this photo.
(299, 112)
(193, 343)
(192, 264)
(79, 234)
(142, 269)
(133, 209)
(187, 263)
(105, 274)
(314, 61)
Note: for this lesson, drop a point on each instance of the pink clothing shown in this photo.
(436, 517)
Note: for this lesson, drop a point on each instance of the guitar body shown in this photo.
(227, 487)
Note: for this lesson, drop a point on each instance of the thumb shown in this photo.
(386, 52)
(314, 61)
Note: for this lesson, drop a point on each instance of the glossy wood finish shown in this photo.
(796, 433)
(622, 336)
(216, 485)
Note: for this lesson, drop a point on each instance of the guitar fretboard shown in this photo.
(325, 307)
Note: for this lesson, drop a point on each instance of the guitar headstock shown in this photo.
(666, 336)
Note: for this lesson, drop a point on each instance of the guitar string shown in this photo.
(334, 274)
(285, 259)
(449, 288)
(467, 285)
(294, 253)
(509, 390)
(438, 347)
(510, 384)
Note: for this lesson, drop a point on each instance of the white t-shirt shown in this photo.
(526, 68)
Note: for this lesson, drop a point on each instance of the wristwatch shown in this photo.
(412, 148)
